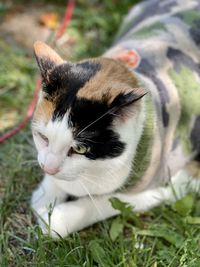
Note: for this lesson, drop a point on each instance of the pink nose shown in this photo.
(50, 170)
(52, 164)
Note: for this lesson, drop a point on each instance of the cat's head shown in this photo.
(83, 112)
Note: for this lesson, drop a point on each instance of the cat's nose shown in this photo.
(51, 164)
(50, 170)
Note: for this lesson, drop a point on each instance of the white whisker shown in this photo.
(107, 112)
(90, 196)
(91, 181)
(90, 140)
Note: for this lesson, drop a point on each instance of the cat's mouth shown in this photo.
(57, 174)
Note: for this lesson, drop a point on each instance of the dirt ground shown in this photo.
(24, 24)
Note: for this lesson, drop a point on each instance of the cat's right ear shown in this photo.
(47, 59)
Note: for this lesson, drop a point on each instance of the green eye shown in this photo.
(81, 149)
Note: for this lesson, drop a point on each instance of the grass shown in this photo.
(166, 236)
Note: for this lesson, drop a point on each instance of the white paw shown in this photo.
(45, 224)
(51, 224)
(64, 219)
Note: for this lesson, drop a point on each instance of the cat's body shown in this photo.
(103, 131)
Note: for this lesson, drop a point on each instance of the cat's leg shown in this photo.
(46, 195)
(75, 215)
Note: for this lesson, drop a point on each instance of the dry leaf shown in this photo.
(50, 20)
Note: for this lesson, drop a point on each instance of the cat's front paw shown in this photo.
(51, 224)
(45, 224)
(62, 220)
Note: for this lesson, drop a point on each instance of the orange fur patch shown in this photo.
(113, 78)
(43, 111)
(44, 51)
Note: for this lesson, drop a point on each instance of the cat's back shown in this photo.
(166, 37)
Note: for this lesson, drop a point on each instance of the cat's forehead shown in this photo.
(112, 79)
(86, 89)
(95, 79)
(69, 78)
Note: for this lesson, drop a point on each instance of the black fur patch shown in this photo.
(92, 123)
(195, 32)
(45, 66)
(180, 59)
(148, 70)
(195, 135)
(126, 99)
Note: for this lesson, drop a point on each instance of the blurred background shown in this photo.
(91, 30)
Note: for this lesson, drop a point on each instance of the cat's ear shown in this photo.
(46, 58)
(128, 98)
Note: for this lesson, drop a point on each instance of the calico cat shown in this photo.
(103, 129)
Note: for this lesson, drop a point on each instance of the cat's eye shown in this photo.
(43, 137)
(80, 149)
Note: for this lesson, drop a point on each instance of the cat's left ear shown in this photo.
(46, 58)
(128, 98)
